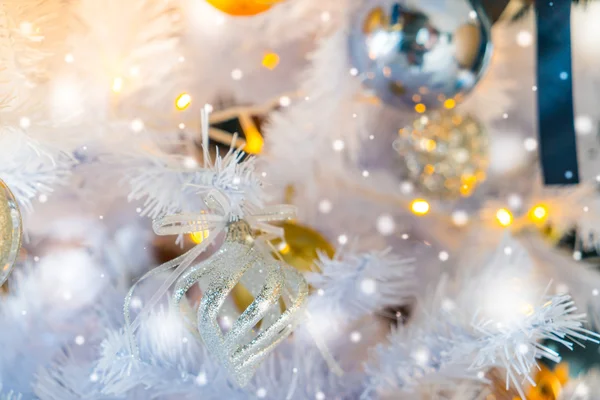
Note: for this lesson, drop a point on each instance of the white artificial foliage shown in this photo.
(585, 387)
(119, 50)
(304, 138)
(47, 308)
(356, 284)
(31, 167)
(32, 34)
(10, 395)
(491, 323)
(174, 363)
(168, 186)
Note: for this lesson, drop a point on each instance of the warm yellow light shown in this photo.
(183, 101)
(450, 104)
(117, 84)
(538, 213)
(199, 237)
(270, 61)
(419, 207)
(428, 144)
(254, 139)
(420, 108)
(504, 217)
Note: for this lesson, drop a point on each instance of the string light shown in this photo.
(117, 84)
(504, 217)
(538, 213)
(270, 61)
(450, 104)
(254, 139)
(199, 237)
(419, 207)
(420, 108)
(183, 101)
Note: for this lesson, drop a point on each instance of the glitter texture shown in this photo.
(263, 325)
(10, 231)
(446, 154)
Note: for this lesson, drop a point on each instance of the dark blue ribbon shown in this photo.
(558, 146)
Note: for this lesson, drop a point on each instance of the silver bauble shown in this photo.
(241, 340)
(426, 58)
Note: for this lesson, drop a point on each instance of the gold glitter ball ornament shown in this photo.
(446, 154)
(10, 231)
(240, 341)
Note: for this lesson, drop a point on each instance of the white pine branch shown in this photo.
(171, 184)
(493, 322)
(30, 167)
(356, 284)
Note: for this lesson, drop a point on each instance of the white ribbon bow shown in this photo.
(215, 220)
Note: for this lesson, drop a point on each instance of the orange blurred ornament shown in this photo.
(243, 7)
(549, 383)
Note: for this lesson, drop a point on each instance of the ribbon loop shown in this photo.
(186, 223)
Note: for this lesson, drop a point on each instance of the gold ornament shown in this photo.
(279, 293)
(446, 154)
(299, 248)
(242, 7)
(549, 383)
(10, 231)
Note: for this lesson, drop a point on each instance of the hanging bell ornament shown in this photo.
(242, 340)
(10, 231)
(423, 57)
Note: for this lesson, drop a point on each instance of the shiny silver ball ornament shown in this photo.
(422, 58)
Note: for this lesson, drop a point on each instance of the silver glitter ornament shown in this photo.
(424, 58)
(10, 231)
(241, 341)
(446, 154)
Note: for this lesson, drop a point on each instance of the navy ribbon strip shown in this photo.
(558, 146)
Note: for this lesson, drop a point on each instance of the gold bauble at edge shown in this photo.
(300, 249)
(242, 8)
(10, 231)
